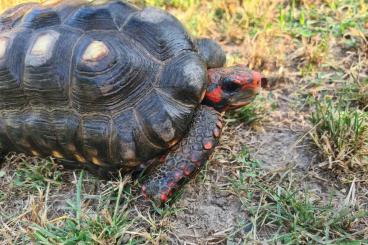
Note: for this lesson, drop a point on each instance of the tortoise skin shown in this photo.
(189, 157)
(107, 84)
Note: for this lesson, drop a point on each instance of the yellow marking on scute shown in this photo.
(173, 142)
(95, 51)
(3, 46)
(80, 158)
(45, 43)
(96, 161)
(35, 153)
(57, 154)
(98, 2)
(51, 3)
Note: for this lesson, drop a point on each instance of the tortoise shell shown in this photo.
(108, 83)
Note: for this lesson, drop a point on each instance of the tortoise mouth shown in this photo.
(244, 102)
(243, 98)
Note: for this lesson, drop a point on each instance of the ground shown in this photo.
(291, 168)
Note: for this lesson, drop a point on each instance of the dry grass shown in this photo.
(5, 4)
(341, 133)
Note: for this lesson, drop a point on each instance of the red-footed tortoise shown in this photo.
(110, 87)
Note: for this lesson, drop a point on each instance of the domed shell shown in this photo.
(101, 83)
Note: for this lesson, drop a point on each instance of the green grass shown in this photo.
(38, 174)
(281, 212)
(107, 226)
(305, 20)
(341, 133)
(256, 112)
(356, 94)
(113, 220)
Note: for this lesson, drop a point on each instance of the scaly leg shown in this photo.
(191, 154)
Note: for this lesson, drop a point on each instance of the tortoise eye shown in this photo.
(230, 85)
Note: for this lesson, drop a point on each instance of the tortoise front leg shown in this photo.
(181, 164)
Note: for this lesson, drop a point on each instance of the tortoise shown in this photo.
(111, 87)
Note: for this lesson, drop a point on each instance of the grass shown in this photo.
(314, 54)
(341, 132)
(39, 175)
(108, 226)
(107, 217)
(356, 93)
(289, 214)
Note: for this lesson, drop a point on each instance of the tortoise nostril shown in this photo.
(256, 78)
(264, 82)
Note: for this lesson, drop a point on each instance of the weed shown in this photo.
(356, 93)
(36, 175)
(291, 215)
(341, 133)
(108, 226)
(255, 112)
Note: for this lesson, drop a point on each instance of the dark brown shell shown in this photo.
(107, 84)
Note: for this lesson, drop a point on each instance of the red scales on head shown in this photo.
(231, 88)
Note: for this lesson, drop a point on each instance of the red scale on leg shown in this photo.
(172, 184)
(162, 158)
(187, 171)
(164, 197)
(207, 144)
(196, 158)
(178, 175)
(190, 169)
(184, 161)
(144, 193)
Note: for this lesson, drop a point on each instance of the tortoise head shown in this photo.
(232, 87)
